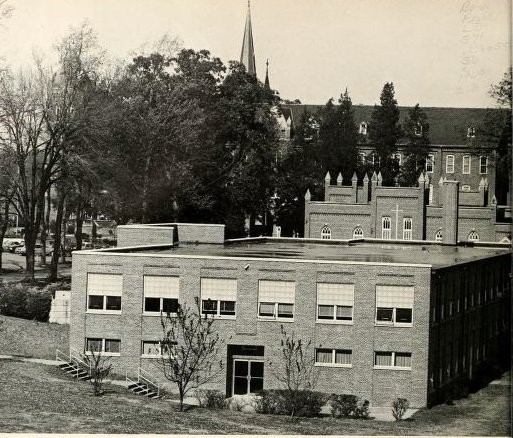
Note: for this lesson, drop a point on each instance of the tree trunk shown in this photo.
(30, 244)
(3, 229)
(78, 224)
(57, 238)
(146, 182)
(181, 400)
(45, 227)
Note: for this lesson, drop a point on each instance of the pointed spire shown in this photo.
(366, 178)
(494, 200)
(421, 179)
(354, 178)
(374, 177)
(267, 75)
(486, 182)
(308, 196)
(327, 178)
(380, 178)
(441, 181)
(247, 56)
(339, 179)
(481, 183)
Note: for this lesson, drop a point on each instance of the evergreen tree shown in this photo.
(416, 132)
(385, 132)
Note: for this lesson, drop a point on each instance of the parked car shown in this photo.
(11, 244)
(21, 250)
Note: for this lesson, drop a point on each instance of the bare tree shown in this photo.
(189, 349)
(99, 369)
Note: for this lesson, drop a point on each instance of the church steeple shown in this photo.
(267, 75)
(247, 56)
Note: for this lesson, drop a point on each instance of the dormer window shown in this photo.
(471, 131)
(418, 130)
(363, 128)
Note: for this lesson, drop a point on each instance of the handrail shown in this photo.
(140, 376)
(60, 355)
(75, 356)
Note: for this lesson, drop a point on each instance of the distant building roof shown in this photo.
(447, 126)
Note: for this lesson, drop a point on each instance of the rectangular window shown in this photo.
(386, 225)
(218, 296)
(466, 164)
(104, 292)
(483, 165)
(407, 228)
(161, 294)
(108, 347)
(398, 157)
(394, 305)
(449, 164)
(276, 299)
(430, 163)
(333, 357)
(335, 302)
(392, 359)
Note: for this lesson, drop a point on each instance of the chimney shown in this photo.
(450, 191)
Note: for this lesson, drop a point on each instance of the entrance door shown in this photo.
(248, 376)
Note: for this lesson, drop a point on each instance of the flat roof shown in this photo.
(357, 251)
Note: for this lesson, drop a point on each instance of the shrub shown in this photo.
(25, 301)
(212, 399)
(303, 403)
(348, 405)
(399, 408)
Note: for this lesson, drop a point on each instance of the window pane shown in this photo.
(325, 312)
(113, 303)
(151, 348)
(323, 356)
(169, 305)
(95, 302)
(343, 357)
(344, 313)
(152, 304)
(93, 345)
(227, 308)
(383, 359)
(403, 360)
(112, 345)
(384, 314)
(266, 309)
(403, 315)
(285, 310)
(209, 307)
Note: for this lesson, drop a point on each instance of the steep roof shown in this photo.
(447, 126)
(247, 55)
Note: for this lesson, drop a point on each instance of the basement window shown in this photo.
(106, 347)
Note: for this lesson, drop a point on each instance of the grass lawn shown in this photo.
(40, 399)
(31, 338)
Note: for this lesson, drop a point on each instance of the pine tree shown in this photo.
(416, 132)
(385, 132)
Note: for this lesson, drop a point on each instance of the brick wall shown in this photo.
(133, 235)
(363, 337)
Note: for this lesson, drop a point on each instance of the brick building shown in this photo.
(378, 315)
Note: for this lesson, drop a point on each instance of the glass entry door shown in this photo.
(248, 376)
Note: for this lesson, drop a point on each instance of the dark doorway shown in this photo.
(244, 369)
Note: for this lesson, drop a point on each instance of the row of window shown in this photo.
(276, 299)
(323, 356)
(465, 164)
(386, 231)
(417, 129)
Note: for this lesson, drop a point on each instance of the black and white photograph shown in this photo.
(255, 217)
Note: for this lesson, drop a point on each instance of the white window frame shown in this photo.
(92, 291)
(325, 232)
(398, 156)
(334, 302)
(383, 289)
(276, 302)
(417, 129)
(152, 356)
(386, 232)
(333, 356)
(465, 188)
(174, 285)
(363, 157)
(407, 232)
(471, 131)
(473, 236)
(430, 196)
(430, 163)
(102, 351)
(363, 128)
(449, 163)
(481, 165)
(439, 236)
(466, 166)
(392, 361)
(358, 235)
(219, 296)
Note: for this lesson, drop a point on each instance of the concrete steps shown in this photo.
(142, 389)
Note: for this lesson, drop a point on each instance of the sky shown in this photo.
(436, 52)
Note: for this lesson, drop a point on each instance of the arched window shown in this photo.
(385, 228)
(473, 236)
(418, 129)
(438, 236)
(471, 131)
(363, 128)
(407, 228)
(326, 232)
(358, 233)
